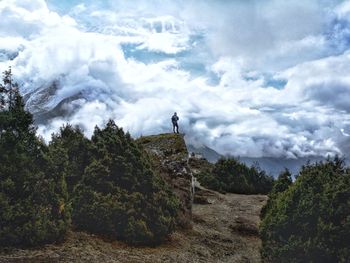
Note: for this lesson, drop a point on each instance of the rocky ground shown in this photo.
(224, 230)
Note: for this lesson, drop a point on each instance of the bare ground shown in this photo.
(225, 229)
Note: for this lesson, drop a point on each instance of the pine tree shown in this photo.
(120, 196)
(33, 196)
(282, 183)
(231, 175)
(78, 150)
(310, 220)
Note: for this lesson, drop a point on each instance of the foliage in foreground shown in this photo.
(120, 196)
(33, 194)
(78, 149)
(230, 175)
(282, 183)
(310, 220)
(112, 188)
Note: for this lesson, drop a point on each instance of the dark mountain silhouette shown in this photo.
(271, 165)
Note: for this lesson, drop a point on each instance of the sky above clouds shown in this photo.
(249, 78)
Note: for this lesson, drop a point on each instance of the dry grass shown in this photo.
(223, 231)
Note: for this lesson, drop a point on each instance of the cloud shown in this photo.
(269, 35)
(247, 78)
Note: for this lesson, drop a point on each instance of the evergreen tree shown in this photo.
(282, 183)
(310, 220)
(230, 175)
(78, 149)
(33, 197)
(120, 196)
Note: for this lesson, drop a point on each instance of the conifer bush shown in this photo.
(230, 175)
(280, 185)
(310, 220)
(77, 148)
(33, 194)
(120, 196)
(111, 185)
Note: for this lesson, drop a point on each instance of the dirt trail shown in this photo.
(225, 230)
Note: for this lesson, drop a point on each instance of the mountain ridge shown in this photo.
(272, 165)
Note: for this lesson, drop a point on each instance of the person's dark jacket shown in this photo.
(174, 118)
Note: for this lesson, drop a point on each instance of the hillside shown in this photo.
(219, 228)
(223, 231)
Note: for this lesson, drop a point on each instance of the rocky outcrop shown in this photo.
(169, 157)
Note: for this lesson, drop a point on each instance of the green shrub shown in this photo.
(119, 195)
(310, 220)
(230, 175)
(77, 148)
(33, 194)
(280, 185)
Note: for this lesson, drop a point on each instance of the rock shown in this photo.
(169, 157)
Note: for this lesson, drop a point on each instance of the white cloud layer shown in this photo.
(248, 78)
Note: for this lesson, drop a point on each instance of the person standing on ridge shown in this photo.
(174, 120)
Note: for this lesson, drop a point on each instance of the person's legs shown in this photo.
(177, 128)
(174, 124)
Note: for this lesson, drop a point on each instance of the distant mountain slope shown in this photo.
(271, 165)
(274, 166)
(208, 153)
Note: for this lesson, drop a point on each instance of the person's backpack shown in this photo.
(174, 118)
